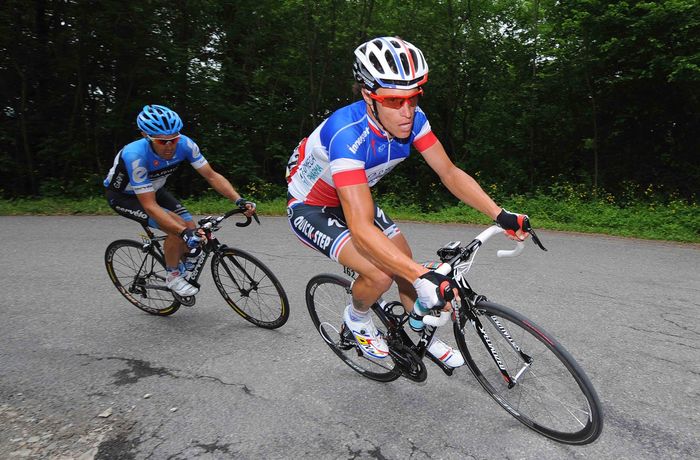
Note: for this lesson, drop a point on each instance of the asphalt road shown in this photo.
(204, 383)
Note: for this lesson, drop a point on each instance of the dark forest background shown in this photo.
(525, 95)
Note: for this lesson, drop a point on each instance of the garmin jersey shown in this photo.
(348, 148)
(138, 169)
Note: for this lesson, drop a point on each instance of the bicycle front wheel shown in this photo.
(551, 394)
(140, 277)
(250, 288)
(327, 295)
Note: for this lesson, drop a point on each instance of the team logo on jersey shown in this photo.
(361, 138)
(118, 180)
(138, 172)
(156, 163)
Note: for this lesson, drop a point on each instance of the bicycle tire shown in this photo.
(553, 397)
(250, 288)
(124, 260)
(327, 295)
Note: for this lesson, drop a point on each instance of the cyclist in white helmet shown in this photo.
(134, 187)
(330, 206)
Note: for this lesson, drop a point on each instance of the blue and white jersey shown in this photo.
(138, 169)
(349, 148)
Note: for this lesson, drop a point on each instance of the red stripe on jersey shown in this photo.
(302, 153)
(425, 142)
(322, 194)
(376, 131)
(352, 177)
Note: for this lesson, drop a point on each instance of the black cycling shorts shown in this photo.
(324, 228)
(129, 206)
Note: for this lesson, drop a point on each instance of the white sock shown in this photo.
(356, 315)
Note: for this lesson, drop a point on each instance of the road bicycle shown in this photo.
(523, 367)
(137, 269)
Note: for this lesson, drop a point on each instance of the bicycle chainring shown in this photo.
(187, 301)
(411, 365)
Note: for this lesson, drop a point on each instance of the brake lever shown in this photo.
(528, 228)
(255, 216)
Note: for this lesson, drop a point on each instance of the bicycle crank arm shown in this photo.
(156, 287)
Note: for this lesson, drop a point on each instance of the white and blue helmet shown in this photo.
(158, 119)
(389, 62)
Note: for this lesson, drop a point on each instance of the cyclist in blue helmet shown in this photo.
(330, 205)
(134, 187)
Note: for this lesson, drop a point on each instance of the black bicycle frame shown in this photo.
(468, 312)
(396, 324)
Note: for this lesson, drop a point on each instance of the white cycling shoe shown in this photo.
(366, 335)
(179, 285)
(445, 353)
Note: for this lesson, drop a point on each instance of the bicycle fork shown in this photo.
(511, 381)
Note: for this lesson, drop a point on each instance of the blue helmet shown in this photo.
(157, 119)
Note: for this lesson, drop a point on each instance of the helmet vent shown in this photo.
(390, 60)
(375, 62)
(404, 63)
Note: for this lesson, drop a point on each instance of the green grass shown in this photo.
(673, 221)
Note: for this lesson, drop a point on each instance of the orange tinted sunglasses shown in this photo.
(396, 102)
(160, 141)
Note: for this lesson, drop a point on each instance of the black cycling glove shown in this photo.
(191, 238)
(511, 222)
(433, 289)
(243, 203)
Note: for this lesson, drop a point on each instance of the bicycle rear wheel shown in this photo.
(552, 396)
(250, 288)
(327, 295)
(140, 277)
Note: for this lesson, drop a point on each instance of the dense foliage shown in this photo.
(524, 94)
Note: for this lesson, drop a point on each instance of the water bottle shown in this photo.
(192, 258)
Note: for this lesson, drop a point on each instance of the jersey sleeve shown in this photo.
(194, 155)
(425, 138)
(136, 168)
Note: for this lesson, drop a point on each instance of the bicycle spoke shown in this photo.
(326, 298)
(250, 289)
(138, 275)
(548, 396)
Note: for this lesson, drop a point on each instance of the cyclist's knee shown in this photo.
(377, 280)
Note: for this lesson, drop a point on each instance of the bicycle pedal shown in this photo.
(347, 341)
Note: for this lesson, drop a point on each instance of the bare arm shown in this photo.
(358, 208)
(218, 182)
(458, 182)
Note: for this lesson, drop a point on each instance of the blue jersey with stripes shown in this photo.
(349, 148)
(138, 169)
